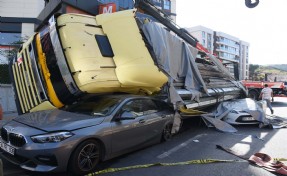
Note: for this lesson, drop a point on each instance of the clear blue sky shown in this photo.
(263, 27)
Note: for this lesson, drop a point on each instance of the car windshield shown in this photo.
(96, 106)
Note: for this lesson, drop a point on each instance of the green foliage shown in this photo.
(253, 73)
(252, 68)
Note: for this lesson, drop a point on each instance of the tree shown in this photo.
(252, 71)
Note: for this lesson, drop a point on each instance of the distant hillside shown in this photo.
(274, 72)
(280, 66)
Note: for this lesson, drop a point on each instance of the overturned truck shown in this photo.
(123, 52)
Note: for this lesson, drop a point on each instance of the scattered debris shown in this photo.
(242, 111)
(218, 124)
(262, 160)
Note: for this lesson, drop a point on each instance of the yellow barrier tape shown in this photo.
(280, 159)
(202, 161)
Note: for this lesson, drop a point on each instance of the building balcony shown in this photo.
(226, 51)
(227, 43)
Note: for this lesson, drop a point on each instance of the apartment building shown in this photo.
(232, 51)
(168, 6)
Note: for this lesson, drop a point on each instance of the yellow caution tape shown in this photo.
(202, 161)
(280, 159)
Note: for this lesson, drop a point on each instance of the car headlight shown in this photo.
(52, 137)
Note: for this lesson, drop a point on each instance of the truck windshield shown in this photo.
(98, 106)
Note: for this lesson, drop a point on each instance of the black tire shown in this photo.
(166, 133)
(85, 158)
(253, 94)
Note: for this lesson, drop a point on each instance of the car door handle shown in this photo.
(141, 121)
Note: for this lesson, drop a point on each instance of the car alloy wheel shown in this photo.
(85, 158)
(88, 157)
(166, 134)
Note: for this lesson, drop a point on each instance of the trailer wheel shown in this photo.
(253, 94)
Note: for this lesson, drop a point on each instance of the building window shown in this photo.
(203, 42)
(203, 34)
(166, 4)
(208, 36)
(209, 45)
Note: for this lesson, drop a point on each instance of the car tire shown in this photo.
(85, 158)
(166, 133)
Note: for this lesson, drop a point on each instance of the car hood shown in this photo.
(56, 120)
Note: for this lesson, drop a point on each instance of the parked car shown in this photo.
(78, 137)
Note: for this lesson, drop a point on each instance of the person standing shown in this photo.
(267, 95)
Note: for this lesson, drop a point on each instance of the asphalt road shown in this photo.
(194, 142)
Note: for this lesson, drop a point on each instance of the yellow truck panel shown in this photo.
(132, 57)
(95, 73)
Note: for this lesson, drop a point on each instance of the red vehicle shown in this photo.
(254, 88)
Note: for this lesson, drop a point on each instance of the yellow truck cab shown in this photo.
(127, 52)
(77, 54)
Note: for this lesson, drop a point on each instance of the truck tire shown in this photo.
(253, 94)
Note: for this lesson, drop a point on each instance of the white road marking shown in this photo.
(180, 146)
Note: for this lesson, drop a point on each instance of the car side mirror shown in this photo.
(126, 115)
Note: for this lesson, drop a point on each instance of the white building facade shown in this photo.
(244, 60)
(233, 52)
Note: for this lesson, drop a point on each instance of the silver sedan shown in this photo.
(79, 137)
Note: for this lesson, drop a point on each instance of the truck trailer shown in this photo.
(123, 52)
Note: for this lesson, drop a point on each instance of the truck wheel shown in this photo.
(253, 95)
(85, 158)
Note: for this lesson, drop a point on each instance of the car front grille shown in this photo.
(15, 139)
